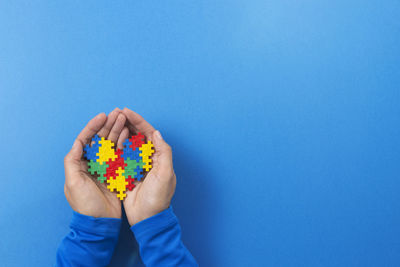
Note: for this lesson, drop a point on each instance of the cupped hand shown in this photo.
(84, 193)
(153, 194)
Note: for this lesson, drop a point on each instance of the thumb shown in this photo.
(162, 154)
(72, 161)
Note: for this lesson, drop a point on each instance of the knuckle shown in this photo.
(168, 148)
(67, 158)
(72, 183)
(168, 172)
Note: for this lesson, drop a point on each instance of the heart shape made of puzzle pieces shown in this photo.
(120, 168)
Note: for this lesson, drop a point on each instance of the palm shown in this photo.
(141, 197)
(99, 198)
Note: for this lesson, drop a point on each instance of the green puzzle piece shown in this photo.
(100, 169)
(131, 166)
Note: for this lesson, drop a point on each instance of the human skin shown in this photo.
(153, 194)
(150, 196)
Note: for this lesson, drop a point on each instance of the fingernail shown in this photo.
(158, 135)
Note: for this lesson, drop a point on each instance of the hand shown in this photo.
(83, 192)
(154, 193)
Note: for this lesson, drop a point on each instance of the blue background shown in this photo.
(284, 119)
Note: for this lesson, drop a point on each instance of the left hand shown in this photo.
(84, 193)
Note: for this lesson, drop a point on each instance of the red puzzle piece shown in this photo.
(136, 140)
(114, 164)
(130, 185)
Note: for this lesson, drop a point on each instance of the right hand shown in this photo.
(154, 193)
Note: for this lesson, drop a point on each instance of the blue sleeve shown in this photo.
(90, 242)
(159, 239)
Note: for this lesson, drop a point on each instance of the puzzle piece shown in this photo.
(118, 184)
(131, 168)
(96, 139)
(91, 151)
(129, 153)
(106, 151)
(130, 185)
(96, 167)
(139, 174)
(147, 151)
(136, 140)
(114, 164)
(120, 168)
(127, 143)
(136, 155)
(127, 150)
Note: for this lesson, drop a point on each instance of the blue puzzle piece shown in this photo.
(96, 139)
(90, 156)
(139, 174)
(127, 143)
(127, 152)
(91, 151)
(136, 155)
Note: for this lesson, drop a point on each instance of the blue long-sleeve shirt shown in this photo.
(91, 241)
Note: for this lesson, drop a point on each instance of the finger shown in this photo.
(111, 118)
(162, 158)
(92, 128)
(122, 137)
(117, 128)
(72, 161)
(136, 123)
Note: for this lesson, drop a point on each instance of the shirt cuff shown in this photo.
(89, 224)
(155, 223)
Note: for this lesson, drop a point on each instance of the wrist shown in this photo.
(139, 218)
(147, 214)
(155, 223)
(90, 224)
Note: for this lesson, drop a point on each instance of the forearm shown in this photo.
(90, 242)
(160, 243)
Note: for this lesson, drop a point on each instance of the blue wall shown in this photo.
(283, 116)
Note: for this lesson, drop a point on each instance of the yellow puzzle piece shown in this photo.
(118, 183)
(147, 151)
(106, 151)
